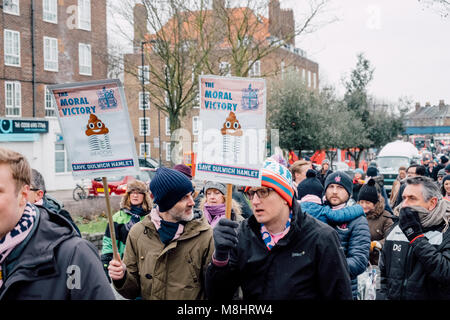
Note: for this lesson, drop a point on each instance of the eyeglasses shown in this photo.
(34, 189)
(262, 193)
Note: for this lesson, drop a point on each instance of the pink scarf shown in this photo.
(214, 213)
(17, 235)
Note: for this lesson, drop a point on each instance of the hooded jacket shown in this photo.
(54, 263)
(307, 263)
(172, 272)
(417, 271)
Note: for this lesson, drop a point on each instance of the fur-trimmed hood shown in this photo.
(140, 186)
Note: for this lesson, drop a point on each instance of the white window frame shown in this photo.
(309, 78)
(146, 74)
(50, 11)
(225, 66)
(147, 100)
(255, 70)
(314, 77)
(168, 151)
(50, 57)
(49, 104)
(196, 104)
(195, 125)
(12, 7)
(142, 149)
(195, 147)
(167, 122)
(304, 75)
(84, 15)
(282, 68)
(14, 51)
(13, 105)
(84, 66)
(142, 120)
(67, 167)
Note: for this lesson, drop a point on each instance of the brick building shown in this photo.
(279, 24)
(46, 42)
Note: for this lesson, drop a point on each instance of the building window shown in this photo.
(50, 54)
(84, 56)
(282, 69)
(195, 147)
(144, 126)
(62, 163)
(84, 14)
(167, 150)
(255, 69)
(167, 126)
(314, 80)
(195, 128)
(50, 11)
(49, 104)
(11, 7)
(13, 98)
(144, 149)
(141, 100)
(12, 48)
(196, 103)
(309, 78)
(146, 74)
(225, 68)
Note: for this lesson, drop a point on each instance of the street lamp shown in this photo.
(143, 97)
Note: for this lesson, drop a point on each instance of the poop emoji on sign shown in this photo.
(95, 126)
(231, 126)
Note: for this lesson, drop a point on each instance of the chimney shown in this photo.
(140, 25)
(274, 18)
(417, 106)
(427, 104)
(441, 105)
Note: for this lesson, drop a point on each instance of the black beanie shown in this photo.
(372, 172)
(369, 192)
(341, 178)
(444, 159)
(311, 185)
(168, 187)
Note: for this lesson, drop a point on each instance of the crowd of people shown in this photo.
(302, 234)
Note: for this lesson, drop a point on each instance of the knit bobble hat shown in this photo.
(311, 185)
(372, 172)
(369, 192)
(168, 187)
(279, 178)
(341, 178)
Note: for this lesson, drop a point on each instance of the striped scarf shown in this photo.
(16, 235)
(271, 239)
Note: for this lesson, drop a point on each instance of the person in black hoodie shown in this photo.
(279, 252)
(41, 255)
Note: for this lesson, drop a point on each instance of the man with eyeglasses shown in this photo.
(415, 260)
(39, 197)
(279, 252)
(167, 252)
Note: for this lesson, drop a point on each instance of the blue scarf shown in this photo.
(167, 231)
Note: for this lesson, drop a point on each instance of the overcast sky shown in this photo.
(407, 43)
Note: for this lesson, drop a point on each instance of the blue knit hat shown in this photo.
(168, 187)
(341, 178)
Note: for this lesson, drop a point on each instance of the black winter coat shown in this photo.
(419, 271)
(54, 263)
(307, 263)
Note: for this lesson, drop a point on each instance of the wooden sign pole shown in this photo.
(228, 201)
(110, 220)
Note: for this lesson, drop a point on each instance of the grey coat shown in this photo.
(53, 263)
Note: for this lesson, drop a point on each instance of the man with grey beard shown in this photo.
(167, 252)
(415, 260)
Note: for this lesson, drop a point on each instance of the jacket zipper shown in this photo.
(407, 269)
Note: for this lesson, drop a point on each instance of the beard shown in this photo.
(182, 215)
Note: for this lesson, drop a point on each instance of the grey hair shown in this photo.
(37, 180)
(429, 187)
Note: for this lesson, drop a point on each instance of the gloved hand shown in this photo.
(225, 238)
(409, 222)
(375, 244)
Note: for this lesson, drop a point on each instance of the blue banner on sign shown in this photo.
(233, 171)
(103, 165)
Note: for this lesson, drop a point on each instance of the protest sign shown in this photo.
(97, 133)
(232, 139)
(96, 127)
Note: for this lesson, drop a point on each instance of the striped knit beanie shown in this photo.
(279, 178)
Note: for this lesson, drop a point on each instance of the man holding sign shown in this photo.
(279, 252)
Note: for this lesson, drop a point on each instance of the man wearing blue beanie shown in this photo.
(167, 252)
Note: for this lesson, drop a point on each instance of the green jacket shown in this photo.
(122, 226)
(172, 272)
